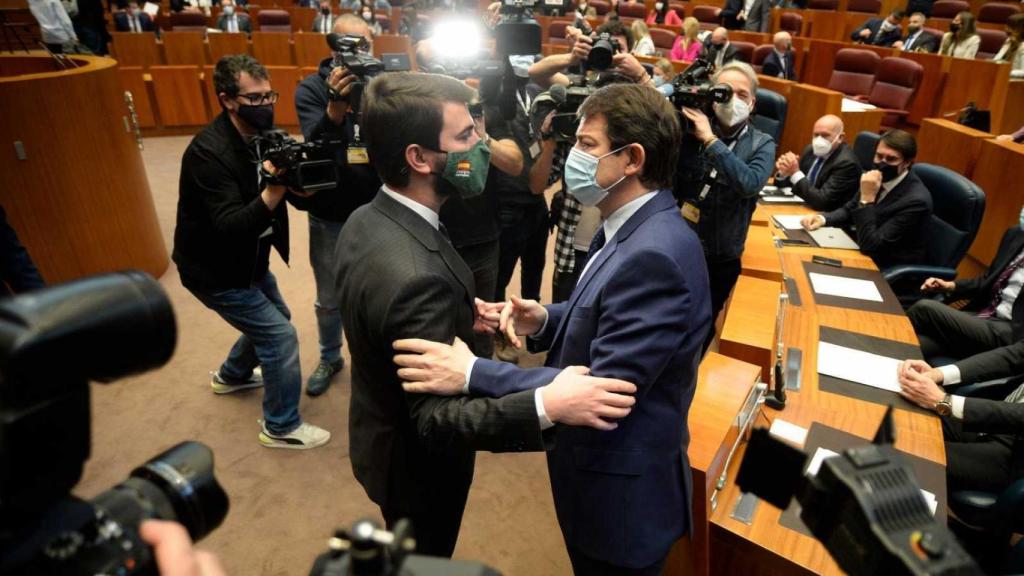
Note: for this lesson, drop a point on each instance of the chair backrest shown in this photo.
(663, 39)
(600, 6)
(791, 22)
(823, 4)
(188, 21)
(275, 21)
(556, 32)
(896, 82)
(632, 10)
(991, 42)
(949, 8)
(868, 6)
(708, 16)
(770, 113)
(959, 206)
(864, 148)
(744, 50)
(760, 53)
(997, 12)
(854, 70)
(679, 9)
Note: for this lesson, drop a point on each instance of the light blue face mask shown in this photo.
(581, 176)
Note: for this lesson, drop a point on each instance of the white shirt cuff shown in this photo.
(796, 177)
(950, 375)
(469, 372)
(957, 403)
(542, 326)
(542, 416)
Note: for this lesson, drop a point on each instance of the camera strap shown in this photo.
(713, 174)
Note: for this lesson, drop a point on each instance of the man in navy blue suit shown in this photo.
(640, 312)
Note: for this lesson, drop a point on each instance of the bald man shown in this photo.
(719, 51)
(827, 174)
(780, 62)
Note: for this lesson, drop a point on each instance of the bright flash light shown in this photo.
(457, 40)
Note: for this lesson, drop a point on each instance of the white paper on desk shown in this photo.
(851, 105)
(789, 432)
(151, 9)
(933, 502)
(829, 285)
(858, 366)
(783, 199)
(789, 221)
(819, 457)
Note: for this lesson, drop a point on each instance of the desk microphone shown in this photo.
(777, 401)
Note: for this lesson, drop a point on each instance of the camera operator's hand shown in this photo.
(340, 80)
(581, 45)
(273, 193)
(493, 14)
(630, 67)
(174, 553)
(701, 125)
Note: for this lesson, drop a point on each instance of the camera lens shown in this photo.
(600, 57)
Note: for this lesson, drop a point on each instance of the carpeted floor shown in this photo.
(285, 504)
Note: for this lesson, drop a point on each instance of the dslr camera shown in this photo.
(693, 88)
(101, 328)
(351, 51)
(600, 57)
(305, 166)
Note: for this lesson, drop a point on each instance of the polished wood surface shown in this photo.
(272, 48)
(393, 43)
(135, 49)
(133, 80)
(859, 121)
(760, 256)
(226, 43)
(1012, 118)
(285, 80)
(807, 103)
(79, 209)
(932, 83)
(999, 172)
(949, 144)
(184, 48)
(310, 49)
(983, 82)
(179, 95)
(748, 332)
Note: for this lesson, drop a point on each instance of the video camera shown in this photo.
(693, 89)
(100, 328)
(366, 550)
(565, 101)
(863, 505)
(351, 51)
(306, 166)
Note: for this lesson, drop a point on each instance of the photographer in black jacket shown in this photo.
(229, 218)
(328, 210)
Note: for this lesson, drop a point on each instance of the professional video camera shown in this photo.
(693, 89)
(351, 51)
(100, 328)
(306, 166)
(366, 550)
(565, 101)
(863, 505)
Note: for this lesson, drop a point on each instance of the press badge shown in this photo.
(357, 154)
(534, 150)
(691, 212)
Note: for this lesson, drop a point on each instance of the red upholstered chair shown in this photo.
(791, 22)
(632, 10)
(385, 22)
(274, 21)
(867, 6)
(949, 8)
(935, 32)
(760, 53)
(710, 17)
(744, 50)
(679, 9)
(663, 39)
(556, 32)
(188, 22)
(600, 6)
(896, 83)
(997, 12)
(854, 70)
(991, 42)
(823, 4)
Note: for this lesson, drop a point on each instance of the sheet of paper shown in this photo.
(818, 458)
(151, 9)
(789, 221)
(789, 432)
(857, 366)
(829, 285)
(933, 503)
(851, 105)
(783, 199)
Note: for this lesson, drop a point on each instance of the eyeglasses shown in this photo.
(260, 98)
(888, 159)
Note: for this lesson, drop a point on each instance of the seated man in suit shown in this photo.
(231, 20)
(984, 438)
(827, 174)
(719, 51)
(890, 217)
(399, 277)
(880, 32)
(986, 337)
(131, 18)
(918, 39)
(640, 311)
(780, 63)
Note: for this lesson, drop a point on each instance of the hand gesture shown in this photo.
(701, 124)
(521, 318)
(575, 399)
(919, 388)
(630, 67)
(432, 367)
(933, 285)
(487, 317)
(870, 183)
(581, 46)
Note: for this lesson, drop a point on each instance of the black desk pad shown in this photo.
(865, 343)
(890, 304)
(930, 475)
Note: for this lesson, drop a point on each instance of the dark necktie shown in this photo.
(597, 243)
(1000, 285)
(444, 231)
(815, 168)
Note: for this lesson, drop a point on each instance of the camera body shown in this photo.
(305, 166)
(604, 48)
(565, 101)
(351, 52)
(693, 89)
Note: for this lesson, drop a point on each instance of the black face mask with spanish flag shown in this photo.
(465, 173)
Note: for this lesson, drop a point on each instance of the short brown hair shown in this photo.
(404, 108)
(902, 142)
(640, 114)
(229, 69)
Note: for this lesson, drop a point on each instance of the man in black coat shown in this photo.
(131, 18)
(719, 51)
(918, 39)
(399, 277)
(827, 174)
(780, 62)
(985, 337)
(879, 31)
(890, 217)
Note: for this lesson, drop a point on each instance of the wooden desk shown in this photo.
(862, 121)
(949, 144)
(760, 256)
(184, 48)
(999, 172)
(983, 82)
(932, 83)
(748, 333)
(1012, 117)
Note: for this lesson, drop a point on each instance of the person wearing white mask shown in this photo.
(717, 183)
(827, 174)
(231, 20)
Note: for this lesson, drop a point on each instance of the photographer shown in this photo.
(229, 218)
(718, 185)
(319, 115)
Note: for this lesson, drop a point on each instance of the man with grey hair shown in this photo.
(780, 62)
(827, 173)
(726, 162)
(719, 51)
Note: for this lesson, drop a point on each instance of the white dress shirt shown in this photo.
(426, 213)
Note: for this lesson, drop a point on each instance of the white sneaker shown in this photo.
(304, 437)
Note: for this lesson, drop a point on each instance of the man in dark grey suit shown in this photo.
(401, 278)
(827, 174)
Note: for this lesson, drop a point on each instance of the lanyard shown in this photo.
(714, 171)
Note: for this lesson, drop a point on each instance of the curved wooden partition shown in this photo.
(73, 182)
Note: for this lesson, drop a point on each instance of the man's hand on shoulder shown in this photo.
(574, 398)
(432, 367)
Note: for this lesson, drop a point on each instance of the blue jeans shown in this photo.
(323, 236)
(269, 340)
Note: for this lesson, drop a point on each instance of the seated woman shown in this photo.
(687, 46)
(961, 41)
(662, 14)
(1013, 50)
(643, 45)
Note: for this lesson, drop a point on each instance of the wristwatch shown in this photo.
(944, 408)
